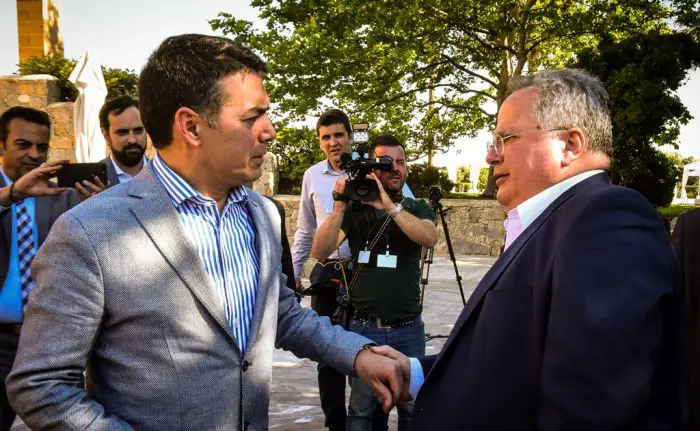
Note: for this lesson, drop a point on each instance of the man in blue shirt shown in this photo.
(28, 207)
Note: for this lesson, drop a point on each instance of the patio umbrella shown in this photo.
(87, 76)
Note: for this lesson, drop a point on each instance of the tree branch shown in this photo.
(454, 63)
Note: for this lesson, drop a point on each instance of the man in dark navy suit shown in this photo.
(578, 325)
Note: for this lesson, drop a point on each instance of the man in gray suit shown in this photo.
(29, 205)
(168, 288)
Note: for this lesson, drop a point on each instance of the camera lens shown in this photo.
(362, 190)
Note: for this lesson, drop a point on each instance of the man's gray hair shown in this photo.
(570, 98)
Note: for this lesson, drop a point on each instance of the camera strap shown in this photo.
(368, 248)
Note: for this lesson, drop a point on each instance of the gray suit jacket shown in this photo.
(122, 291)
(48, 208)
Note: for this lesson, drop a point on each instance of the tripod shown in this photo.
(427, 254)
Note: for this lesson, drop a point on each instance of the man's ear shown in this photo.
(187, 124)
(574, 145)
(105, 133)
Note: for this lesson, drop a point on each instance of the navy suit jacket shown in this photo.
(577, 326)
(686, 243)
(112, 176)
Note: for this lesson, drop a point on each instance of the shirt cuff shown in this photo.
(417, 377)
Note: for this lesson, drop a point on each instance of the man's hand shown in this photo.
(404, 364)
(89, 189)
(384, 375)
(383, 201)
(339, 187)
(35, 183)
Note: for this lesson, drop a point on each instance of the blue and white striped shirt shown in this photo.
(226, 244)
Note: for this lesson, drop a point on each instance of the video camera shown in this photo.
(358, 165)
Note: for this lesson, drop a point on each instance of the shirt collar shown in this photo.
(179, 190)
(529, 210)
(119, 170)
(328, 169)
(7, 179)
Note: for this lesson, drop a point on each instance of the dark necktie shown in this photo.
(25, 248)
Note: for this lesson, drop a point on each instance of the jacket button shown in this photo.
(245, 365)
(245, 425)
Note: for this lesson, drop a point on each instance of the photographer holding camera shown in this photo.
(385, 236)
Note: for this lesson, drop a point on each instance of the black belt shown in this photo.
(10, 328)
(393, 322)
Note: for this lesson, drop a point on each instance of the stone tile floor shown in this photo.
(295, 404)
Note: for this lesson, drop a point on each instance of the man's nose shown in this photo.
(34, 152)
(492, 158)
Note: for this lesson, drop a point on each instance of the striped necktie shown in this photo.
(25, 248)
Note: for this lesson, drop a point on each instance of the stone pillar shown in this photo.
(37, 28)
(267, 183)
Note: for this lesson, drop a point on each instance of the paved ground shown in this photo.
(295, 403)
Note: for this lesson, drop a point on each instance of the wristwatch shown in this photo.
(397, 209)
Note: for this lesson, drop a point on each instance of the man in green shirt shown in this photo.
(385, 238)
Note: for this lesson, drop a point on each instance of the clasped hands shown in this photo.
(388, 372)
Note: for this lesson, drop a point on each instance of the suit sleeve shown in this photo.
(308, 335)
(60, 329)
(613, 311)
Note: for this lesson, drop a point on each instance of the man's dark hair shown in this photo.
(386, 141)
(334, 116)
(184, 71)
(30, 115)
(115, 106)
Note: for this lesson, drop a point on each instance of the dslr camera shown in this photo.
(358, 165)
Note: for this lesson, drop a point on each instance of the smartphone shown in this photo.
(73, 173)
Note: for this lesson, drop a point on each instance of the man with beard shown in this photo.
(316, 204)
(29, 205)
(120, 121)
(385, 237)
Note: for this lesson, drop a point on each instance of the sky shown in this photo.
(123, 34)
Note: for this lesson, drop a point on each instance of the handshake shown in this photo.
(388, 372)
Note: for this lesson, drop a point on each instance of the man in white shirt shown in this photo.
(578, 324)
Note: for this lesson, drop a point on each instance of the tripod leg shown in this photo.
(452, 254)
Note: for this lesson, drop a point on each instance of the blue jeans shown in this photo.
(409, 340)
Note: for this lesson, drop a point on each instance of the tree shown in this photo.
(422, 176)
(430, 70)
(642, 74)
(296, 150)
(118, 81)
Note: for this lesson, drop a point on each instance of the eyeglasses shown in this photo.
(498, 143)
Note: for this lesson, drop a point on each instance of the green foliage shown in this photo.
(296, 150)
(421, 176)
(56, 66)
(464, 175)
(673, 211)
(118, 81)
(380, 59)
(642, 74)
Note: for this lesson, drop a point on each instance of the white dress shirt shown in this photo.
(123, 176)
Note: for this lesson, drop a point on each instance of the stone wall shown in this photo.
(42, 92)
(475, 225)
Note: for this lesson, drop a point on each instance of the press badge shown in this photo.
(386, 260)
(363, 257)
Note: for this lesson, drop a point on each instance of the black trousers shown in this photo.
(331, 383)
(8, 350)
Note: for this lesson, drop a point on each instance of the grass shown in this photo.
(672, 211)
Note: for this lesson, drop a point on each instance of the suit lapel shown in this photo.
(494, 274)
(263, 234)
(160, 220)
